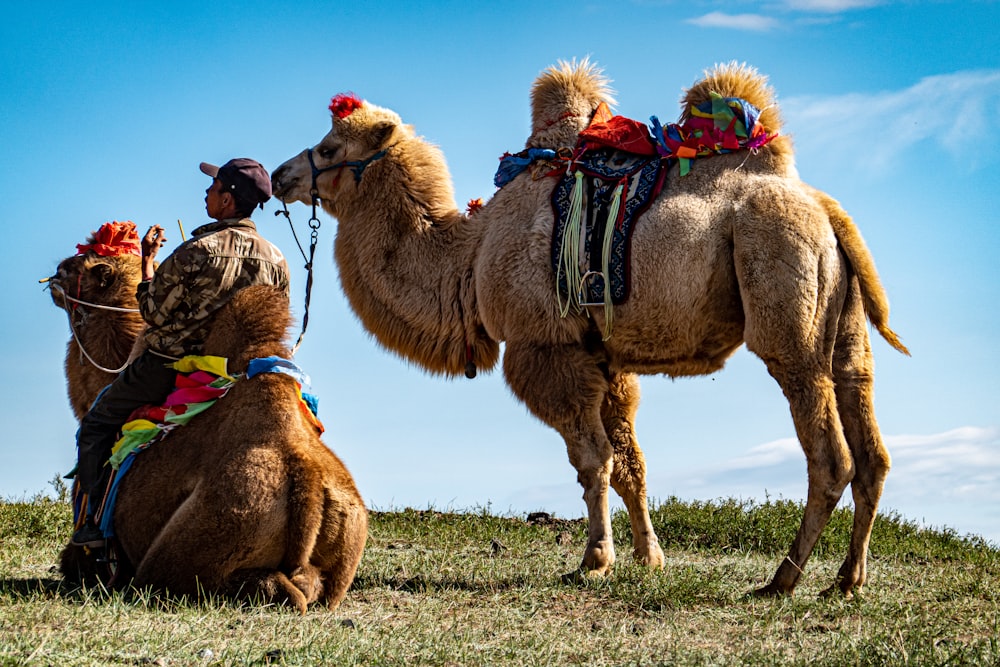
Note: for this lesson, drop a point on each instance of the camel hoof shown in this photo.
(308, 581)
(654, 558)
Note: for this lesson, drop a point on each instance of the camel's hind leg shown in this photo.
(341, 544)
(206, 544)
(792, 318)
(853, 371)
(266, 585)
(628, 476)
(810, 393)
(564, 386)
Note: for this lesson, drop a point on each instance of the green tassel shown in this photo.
(609, 233)
(569, 259)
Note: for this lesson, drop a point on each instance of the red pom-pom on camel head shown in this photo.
(344, 104)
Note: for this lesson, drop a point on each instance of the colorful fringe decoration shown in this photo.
(569, 254)
(201, 381)
(474, 206)
(721, 125)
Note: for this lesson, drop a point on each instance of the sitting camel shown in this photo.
(737, 251)
(246, 500)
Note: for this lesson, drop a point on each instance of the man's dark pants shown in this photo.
(146, 381)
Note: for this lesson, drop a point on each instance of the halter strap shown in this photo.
(356, 166)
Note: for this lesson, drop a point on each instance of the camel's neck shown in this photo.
(406, 265)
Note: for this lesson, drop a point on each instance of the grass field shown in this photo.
(471, 588)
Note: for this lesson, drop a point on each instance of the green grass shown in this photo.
(445, 588)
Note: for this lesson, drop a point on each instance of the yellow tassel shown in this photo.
(609, 233)
(569, 258)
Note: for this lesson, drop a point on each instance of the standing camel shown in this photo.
(738, 251)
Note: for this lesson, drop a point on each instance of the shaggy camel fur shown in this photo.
(106, 336)
(739, 251)
(245, 500)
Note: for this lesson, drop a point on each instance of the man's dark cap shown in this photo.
(245, 178)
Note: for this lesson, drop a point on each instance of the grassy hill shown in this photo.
(471, 588)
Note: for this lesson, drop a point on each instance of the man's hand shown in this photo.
(151, 244)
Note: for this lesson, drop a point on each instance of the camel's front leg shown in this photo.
(593, 463)
(565, 388)
(628, 476)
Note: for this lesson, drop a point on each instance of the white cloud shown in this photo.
(763, 23)
(940, 479)
(962, 464)
(952, 112)
(830, 6)
(753, 22)
(769, 454)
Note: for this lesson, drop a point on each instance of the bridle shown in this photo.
(357, 167)
(67, 300)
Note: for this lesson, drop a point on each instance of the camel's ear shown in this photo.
(381, 132)
(103, 274)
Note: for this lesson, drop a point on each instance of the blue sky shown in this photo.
(108, 109)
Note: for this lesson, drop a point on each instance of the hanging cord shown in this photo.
(569, 256)
(609, 233)
(72, 327)
(314, 225)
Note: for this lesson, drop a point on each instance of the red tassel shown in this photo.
(344, 104)
(474, 205)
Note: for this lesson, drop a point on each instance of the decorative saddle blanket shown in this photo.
(595, 210)
(201, 382)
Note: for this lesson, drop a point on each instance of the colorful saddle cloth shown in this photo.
(595, 210)
(615, 173)
(201, 382)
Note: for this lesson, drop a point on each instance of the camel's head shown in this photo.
(105, 270)
(108, 281)
(563, 100)
(335, 166)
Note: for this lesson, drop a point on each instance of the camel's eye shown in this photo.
(326, 153)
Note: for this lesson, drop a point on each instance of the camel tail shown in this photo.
(307, 496)
(876, 303)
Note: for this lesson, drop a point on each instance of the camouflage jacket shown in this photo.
(199, 277)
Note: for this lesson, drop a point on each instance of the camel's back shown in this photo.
(254, 323)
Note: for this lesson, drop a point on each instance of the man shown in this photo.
(177, 301)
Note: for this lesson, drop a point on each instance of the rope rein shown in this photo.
(72, 326)
(93, 305)
(314, 225)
